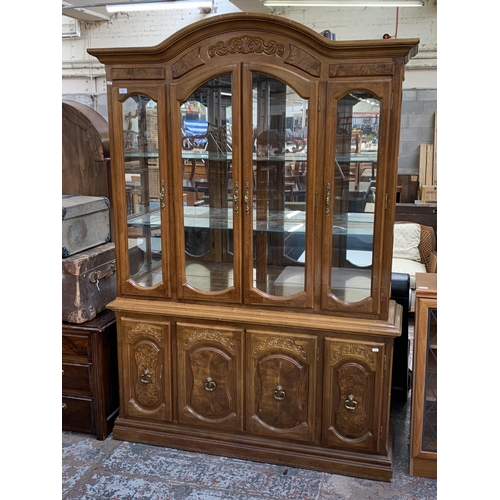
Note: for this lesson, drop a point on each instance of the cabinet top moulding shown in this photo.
(248, 23)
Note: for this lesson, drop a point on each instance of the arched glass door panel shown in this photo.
(278, 190)
(143, 190)
(207, 184)
(350, 195)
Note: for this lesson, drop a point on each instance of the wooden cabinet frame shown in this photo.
(297, 378)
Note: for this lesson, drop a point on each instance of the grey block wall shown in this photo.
(417, 127)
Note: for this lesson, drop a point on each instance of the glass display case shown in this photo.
(254, 180)
(423, 453)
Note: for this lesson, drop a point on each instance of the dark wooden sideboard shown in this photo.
(90, 400)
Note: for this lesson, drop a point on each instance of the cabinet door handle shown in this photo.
(235, 198)
(350, 403)
(145, 377)
(162, 195)
(210, 385)
(327, 201)
(64, 406)
(279, 394)
(247, 198)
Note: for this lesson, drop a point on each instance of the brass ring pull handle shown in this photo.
(247, 198)
(64, 406)
(210, 385)
(350, 403)
(279, 394)
(327, 210)
(235, 198)
(145, 377)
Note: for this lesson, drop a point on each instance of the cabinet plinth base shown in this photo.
(423, 468)
(244, 447)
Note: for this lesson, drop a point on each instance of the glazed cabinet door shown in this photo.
(353, 391)
(206, 172)
(209, 376)
(360, 172)
(145, 375)
(139, 188)
(280, 122)
(281, 382)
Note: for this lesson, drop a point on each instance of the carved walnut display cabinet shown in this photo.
(254, 167)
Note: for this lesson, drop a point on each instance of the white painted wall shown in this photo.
(83, 75)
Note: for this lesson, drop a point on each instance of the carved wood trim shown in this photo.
(282, 343)
(365, 69)
(246, 45)
(304, 61)
(347, 350)
(186, 63)
(209, 334)
(138, 74)
(146, 329)
(146, 359)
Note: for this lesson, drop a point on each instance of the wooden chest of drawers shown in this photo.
(90, 400)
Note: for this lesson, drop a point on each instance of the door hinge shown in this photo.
(317, 354)
(385, 361)
(386, 200)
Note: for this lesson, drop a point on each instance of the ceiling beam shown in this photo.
(251, 6)
(87, 14)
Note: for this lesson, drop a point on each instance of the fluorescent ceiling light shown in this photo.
(343, 3)
(137, 6)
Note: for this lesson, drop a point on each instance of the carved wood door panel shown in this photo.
(353, 391)
(281, 384)
(145, 377)
(210, 376)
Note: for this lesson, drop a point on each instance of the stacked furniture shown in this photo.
(90, 400)
(244, 329)
(89, 352)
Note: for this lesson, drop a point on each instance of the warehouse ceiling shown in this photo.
(92, 11)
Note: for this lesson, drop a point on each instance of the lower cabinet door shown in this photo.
(210, 376)
(353, 392)
(281, 369)
(146, 379)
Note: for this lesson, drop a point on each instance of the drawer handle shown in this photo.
(64, 406)
(210, 385)
(145, 377)
(279, 394)
(350, 403)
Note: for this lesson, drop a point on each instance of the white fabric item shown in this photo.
(408, 267)
(406, 241)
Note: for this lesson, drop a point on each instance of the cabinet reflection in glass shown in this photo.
(207, 185)
(280, 124)
(353, 191)
(143, 190)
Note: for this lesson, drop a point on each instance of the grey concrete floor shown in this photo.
(119, 470)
